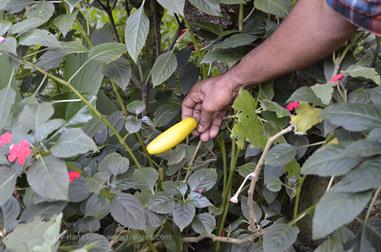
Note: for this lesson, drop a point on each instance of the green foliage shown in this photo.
(86, 84)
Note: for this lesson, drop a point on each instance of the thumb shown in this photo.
(206, 119)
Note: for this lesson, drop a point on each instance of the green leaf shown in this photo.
(162, 203)
(40, 38)
(354, 117)
(128, 211)
(233, 1)
(278, 8)
(4, 27)
(165, 65)
(92, 242)
(336, 241)
(280, 155)
(279, 237)
(10, 211)
(280, 111)
(35, 236)
(118, 71)
(198, 200)
(204, 223)
(115, 164)
(373, 232)
(96, 206)
(211, 7)
(323, 92)
(227, 57)
(146, 178)
(133, 124)
(136, 107)
(65, 22)
(245, 210)
(72, 143)
(36, 15)
(247, 127)
(9, 45)
(8, 179)
(137, 27)
(175, 6)
(364, 72)
(49, 178)
(331, 160)
(306, 117)
(106, 53)
(337, 209)
(305, 94)
(183, 215)
(202, 180)
(45, 129)
(236, 40)
(366, 177)
(7, 98)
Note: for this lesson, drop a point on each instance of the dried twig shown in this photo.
(254, 177)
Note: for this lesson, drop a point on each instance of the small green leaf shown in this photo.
(306, 117)
(165, 65)
(279, 237)
(137, 27)
(202, 180)
(354, 117)
(278, 8)
(183, 215)
(162, 203)
(72, 143)
(204, 223)
(41, 38)
(115, 164)
(8, 179)
(106, 53)
(331, 160)
(366, 177)
(175, 6)
(211, 7)
(236, 40)
(128, 211)
(280, 155)
(364, 72)
(323, 92)
(49, 178)
(146, 178)
(136, 107)
(337, 209)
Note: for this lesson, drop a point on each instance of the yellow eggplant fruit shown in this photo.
(172, 136)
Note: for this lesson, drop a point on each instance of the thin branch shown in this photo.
(254, 177)
(190, 164)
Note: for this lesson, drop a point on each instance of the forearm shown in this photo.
(310, 32)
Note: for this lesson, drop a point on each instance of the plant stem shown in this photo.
(370, 208)
(255, 175)
(224, 161)
(190, 164)
(84, 34)
(119, 98)
(141, 143)
(227, 191)
(297, 196)
(302, 214)
(91, 107)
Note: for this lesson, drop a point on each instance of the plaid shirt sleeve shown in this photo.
(363, 13)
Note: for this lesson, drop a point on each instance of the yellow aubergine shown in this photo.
(172, 136)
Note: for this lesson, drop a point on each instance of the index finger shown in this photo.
(189, 104)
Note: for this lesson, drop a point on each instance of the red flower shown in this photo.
(5, 138)
(293, 105)
(19, 152)
(74, 175)
(337, 77)
(2, 39)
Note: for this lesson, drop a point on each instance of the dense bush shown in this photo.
(85, 85)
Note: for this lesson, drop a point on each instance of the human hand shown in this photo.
(208, 102)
